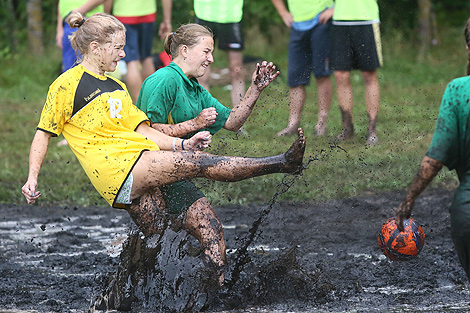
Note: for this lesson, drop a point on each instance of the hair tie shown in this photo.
(81, 22)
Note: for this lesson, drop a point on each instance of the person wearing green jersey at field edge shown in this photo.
(309, 44)
(224, 18)
(356, 44)
(178, 105)
(450, 147)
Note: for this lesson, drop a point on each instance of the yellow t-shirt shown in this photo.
(97, 117)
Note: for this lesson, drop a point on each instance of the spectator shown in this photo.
(356, 44)
(224, 18)
(309, 43)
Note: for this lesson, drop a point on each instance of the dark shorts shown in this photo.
(308, 52)
(139, 40)
(228, 35)
(356, 47)
(180, 196)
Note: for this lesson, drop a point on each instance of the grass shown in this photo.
(411, 90)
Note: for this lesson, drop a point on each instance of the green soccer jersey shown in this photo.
(169, 97)
(451, 140)
(219, 11)
(304, 10)
(356, 10)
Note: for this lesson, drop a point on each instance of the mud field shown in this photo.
(55, 259)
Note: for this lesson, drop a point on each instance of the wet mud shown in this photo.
(305, 257)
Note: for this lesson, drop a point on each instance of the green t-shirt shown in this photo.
(134, 7)
(451, 140)
(219, 11)
(169, 97)
(356, 10)
(304, 10)
(66, 6)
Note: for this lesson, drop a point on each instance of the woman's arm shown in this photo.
(36, 158)
(206, 118)
(427, 171)
(199, 141)
(263, 75)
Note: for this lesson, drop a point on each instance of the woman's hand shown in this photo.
(29, 191)
(199, 141)
(264, 75)
(403, 211)
(206, 118)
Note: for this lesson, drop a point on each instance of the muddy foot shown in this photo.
(294, 156)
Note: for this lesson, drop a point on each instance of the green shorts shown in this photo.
(180, 196)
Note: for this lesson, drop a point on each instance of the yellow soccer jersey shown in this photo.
(97, 117)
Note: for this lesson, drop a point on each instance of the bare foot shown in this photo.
(320, 130)
(294, 156)
(372, 140)
(287, 131)
(346, 134)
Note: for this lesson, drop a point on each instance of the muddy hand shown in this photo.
(200, 141)
(403, 211)
(206, 118)
(264, 75)
(30, 192)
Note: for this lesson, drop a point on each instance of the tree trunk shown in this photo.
(11, 26)
(424, 18)
(35, 32)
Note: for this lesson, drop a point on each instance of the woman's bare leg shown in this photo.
(158, 168)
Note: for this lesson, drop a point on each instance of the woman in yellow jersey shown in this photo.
(121, 154)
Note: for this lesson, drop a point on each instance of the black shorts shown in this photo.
(355, 47)
(228, 35)
(180, 196)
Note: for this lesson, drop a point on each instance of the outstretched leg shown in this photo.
(158, 168)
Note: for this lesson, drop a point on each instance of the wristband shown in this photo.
(182, 147)
(174, 143)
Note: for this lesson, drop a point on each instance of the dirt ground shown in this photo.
(55, 259)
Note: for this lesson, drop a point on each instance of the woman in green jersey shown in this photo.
(178, 105)
(450, 147)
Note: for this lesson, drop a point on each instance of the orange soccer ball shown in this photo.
(401, 246)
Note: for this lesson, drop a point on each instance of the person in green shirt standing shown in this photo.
(179, 106)
(450, 146)
(309, 45)
(224, 18)
(356, 44)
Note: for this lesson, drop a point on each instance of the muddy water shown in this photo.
(56, 259)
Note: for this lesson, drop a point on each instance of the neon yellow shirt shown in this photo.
(356, 10)
(304, 10)
(134, 7)
(66, 6)
(219, 11)
(97, 117)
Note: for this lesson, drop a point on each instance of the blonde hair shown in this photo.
(98, 27)
(187, 35)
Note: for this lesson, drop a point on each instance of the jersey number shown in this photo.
(115, 106)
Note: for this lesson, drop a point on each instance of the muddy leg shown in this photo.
(202, 222)
(148, 212)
